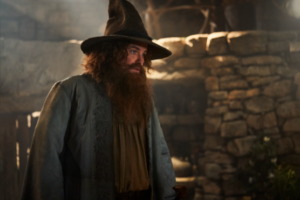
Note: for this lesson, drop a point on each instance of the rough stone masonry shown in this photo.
(252, 79)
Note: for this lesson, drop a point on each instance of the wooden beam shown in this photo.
(184, 7)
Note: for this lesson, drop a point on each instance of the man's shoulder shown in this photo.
(78, 83)
(83, 80)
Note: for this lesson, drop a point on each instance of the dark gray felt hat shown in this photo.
(125, 23)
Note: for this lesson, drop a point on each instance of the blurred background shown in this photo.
(79, 19)
(39, 45)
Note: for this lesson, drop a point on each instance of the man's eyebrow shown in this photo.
(133, 46)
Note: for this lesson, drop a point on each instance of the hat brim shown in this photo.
(157, 51)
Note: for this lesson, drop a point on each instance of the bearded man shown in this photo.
(98, 135)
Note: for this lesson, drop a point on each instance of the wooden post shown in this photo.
(24, 140)
(9, 188)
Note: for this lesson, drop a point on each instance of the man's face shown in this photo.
(127, 84)
(136, 52)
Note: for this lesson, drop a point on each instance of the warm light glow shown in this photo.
(236, 34)
(75, 41)
(35, 114)
(17, 155)
(185, 179)
(17, 123)
(156, 75)
(28, 151)
(295, 7)
(29, 121)
(220, 58)
(189, 40)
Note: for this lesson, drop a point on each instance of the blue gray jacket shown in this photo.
(71, 156)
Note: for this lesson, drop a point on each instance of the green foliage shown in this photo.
(285, 184)
(262, 175)
(261, 165)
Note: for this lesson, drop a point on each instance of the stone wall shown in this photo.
(252, 80)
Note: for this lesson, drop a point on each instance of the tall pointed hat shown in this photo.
(125, 23)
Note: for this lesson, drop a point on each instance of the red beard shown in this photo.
(130, 93)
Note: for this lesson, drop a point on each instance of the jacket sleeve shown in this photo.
(169, 174)
(165, 168)
(44, 176)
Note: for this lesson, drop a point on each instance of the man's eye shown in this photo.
(133, 51)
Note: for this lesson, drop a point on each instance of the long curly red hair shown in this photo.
(107, 56)
(131, 94)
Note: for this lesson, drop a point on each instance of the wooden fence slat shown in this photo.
(9, 188)
(11, 178)
(2, 157)
(23, 138)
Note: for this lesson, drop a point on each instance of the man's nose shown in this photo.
(140, 60)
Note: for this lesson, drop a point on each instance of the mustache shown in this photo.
(134, 66)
